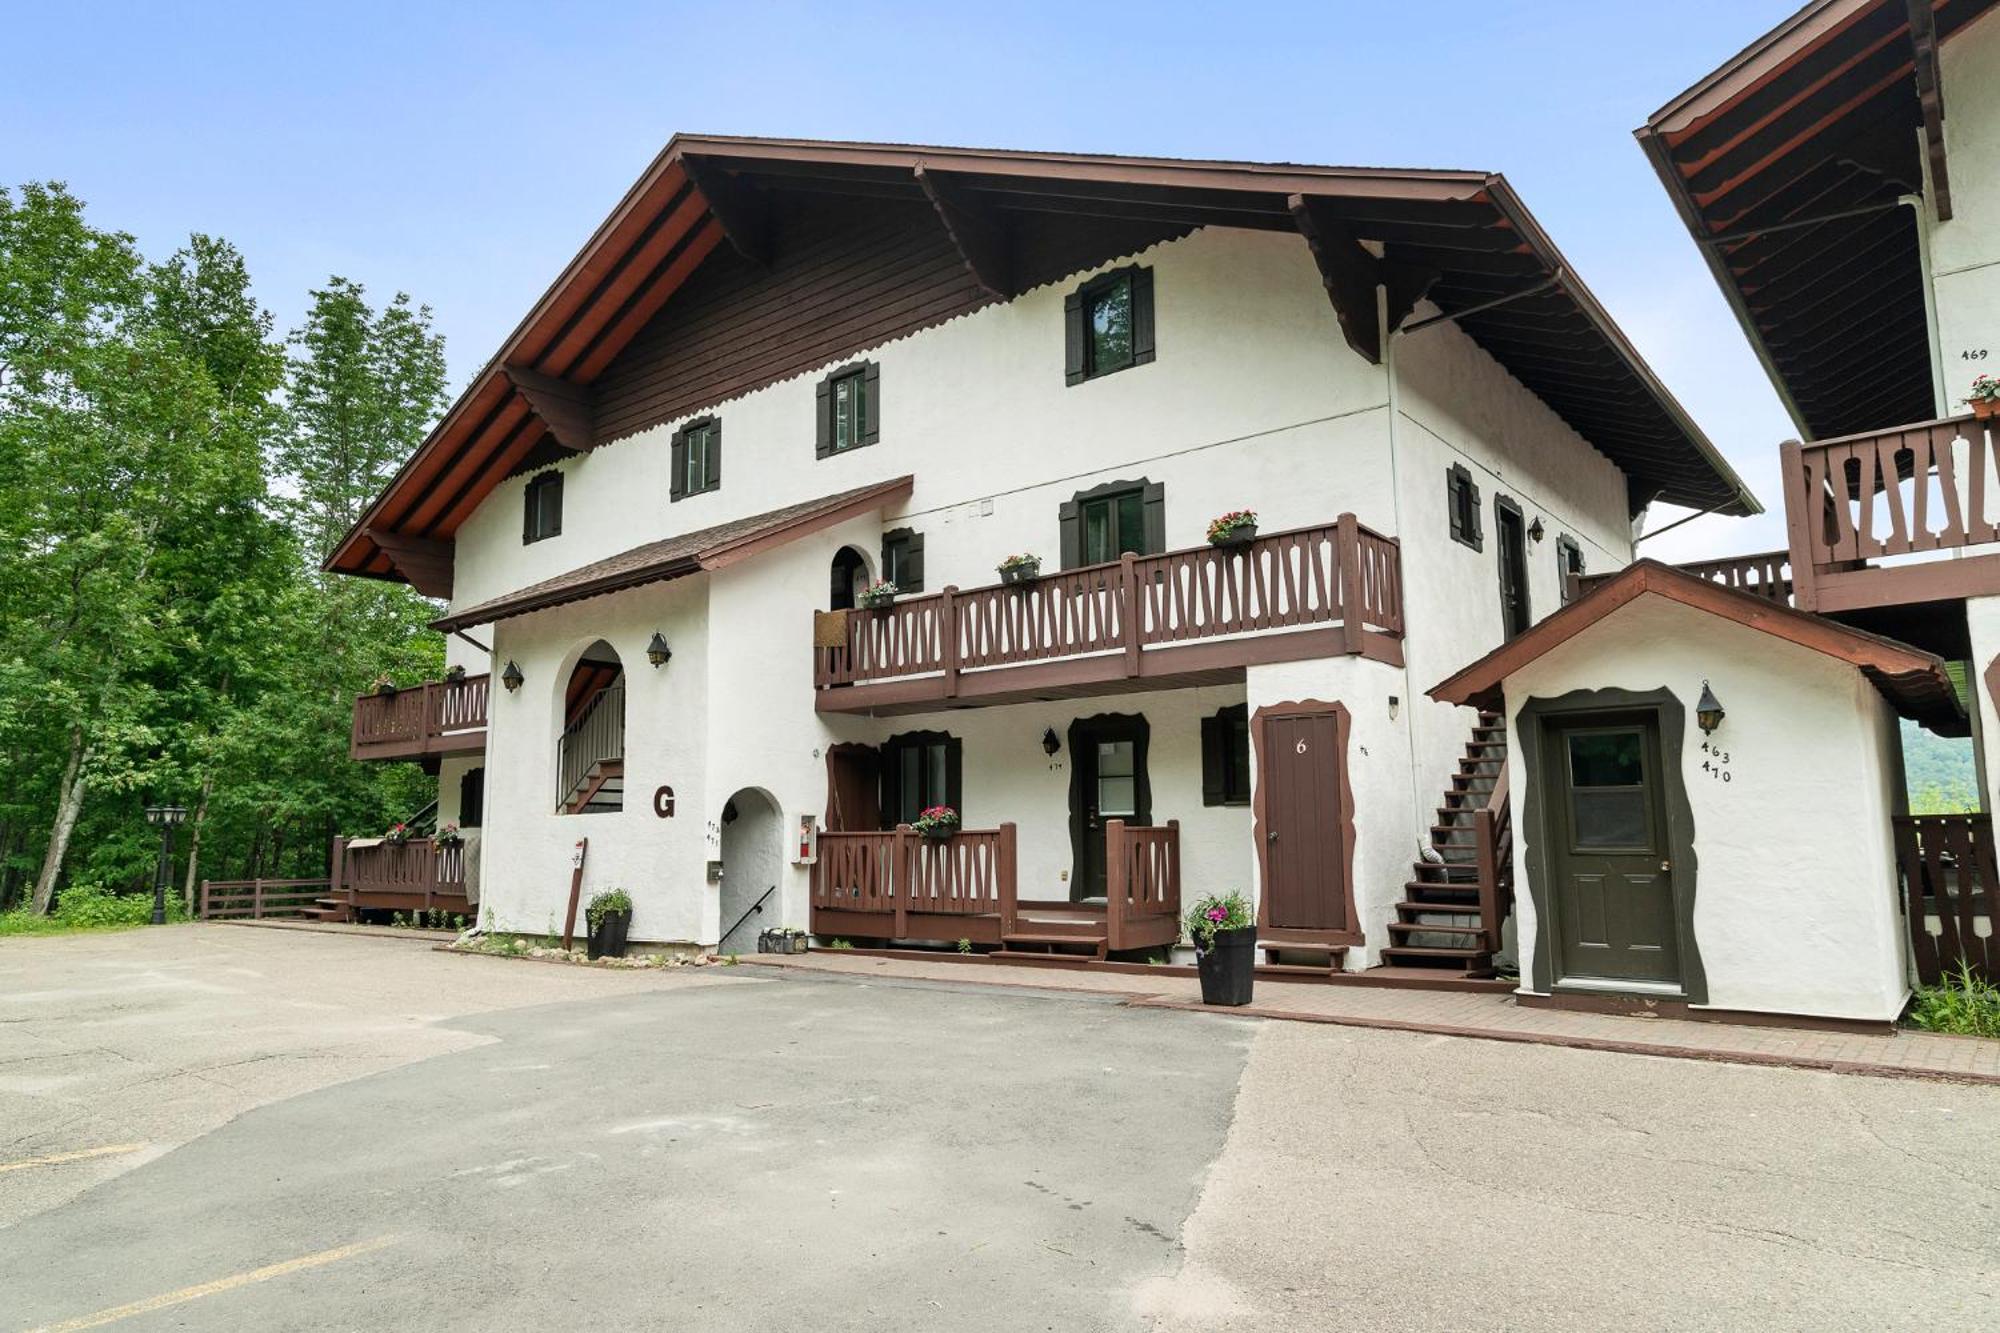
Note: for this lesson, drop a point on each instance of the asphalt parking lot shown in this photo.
(225, 1127)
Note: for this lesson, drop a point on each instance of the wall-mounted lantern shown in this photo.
(1051, 742)
(512, 676)
(1536, 531)
(1708, 713)
(657, 651)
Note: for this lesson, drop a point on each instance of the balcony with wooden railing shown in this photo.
(1918, 497)
(436, 718)
(895, 884)
(1189, 617)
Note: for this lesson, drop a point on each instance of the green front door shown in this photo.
(1610, 868)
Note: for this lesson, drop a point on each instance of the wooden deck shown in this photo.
(1182, 618)
(368, 873)
(436, 718)
(897, 885)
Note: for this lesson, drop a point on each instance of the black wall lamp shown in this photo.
(657, 651)
(1708, 713)
(512, 677)
(1051, 742)
(1536, 531)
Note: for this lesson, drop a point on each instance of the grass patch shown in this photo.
(1961, 1003)
(89, 907)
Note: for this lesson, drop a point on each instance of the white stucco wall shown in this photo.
(1965, 252)
(1254, 401)
(1982, 624)
(1796, 902)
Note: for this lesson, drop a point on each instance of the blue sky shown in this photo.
(463, 152)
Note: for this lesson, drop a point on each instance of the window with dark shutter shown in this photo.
(903, 559)
(695, 458)
(1225, 756)
(1569, 566)
(471, 798)
(1108, 324)
(921, 769)
(1104, 522)
(849, 408)
(1462, 500)
(542, 510)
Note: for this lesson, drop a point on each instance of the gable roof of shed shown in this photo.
(1915, 682)
(1460, 238)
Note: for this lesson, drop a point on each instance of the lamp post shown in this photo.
(168, 818)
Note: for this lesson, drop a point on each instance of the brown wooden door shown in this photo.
(1305, 864)
(853, 787)
(1609, 863)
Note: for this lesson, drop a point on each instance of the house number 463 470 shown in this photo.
(1716, 765)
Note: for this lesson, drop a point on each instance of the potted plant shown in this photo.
(1017, 569)
(448, 836)
(454, 675)
(1235, 528)
(1225, 947)
(609, 915)
(1984, 400)
(398, 834)
(877, 596)
(936, 823)
(384, 686)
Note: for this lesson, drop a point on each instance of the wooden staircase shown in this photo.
(1449, 917)
(602, 787)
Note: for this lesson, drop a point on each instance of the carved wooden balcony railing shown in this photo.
(1767, 574)
(1918, 490)
(1171, 618)
(439, 717)
(413, 875)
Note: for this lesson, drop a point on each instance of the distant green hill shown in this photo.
(1940, 773)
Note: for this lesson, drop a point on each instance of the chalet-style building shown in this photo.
(1842, 177)
(782, 372)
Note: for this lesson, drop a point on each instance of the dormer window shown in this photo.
(1109, 324)
(543, 509)
(696, 458)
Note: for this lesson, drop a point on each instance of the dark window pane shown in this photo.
(1131, 524)
(1607, 817)
(1110, 321)
(1607, 759)
(1097, 538)
(895, 561)
(849, 410)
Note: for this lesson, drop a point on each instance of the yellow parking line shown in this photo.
(185, 1294)
(57, 1159)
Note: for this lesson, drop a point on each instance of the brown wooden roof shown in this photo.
(1461, 238)
(1914, 681)
(690, 553)
(1787, 165)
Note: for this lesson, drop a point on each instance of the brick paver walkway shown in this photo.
(1486, 1016)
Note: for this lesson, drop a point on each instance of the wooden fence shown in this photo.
(255, 899)
(1142, 883)
(1948, 871)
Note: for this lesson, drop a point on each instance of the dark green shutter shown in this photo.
(529, 494)
(1142, 316)
(1074, 342)
(1214, 759)
(1153, 501)
(1070, 517)
(871, 399)
(823, 418)
(712, 465)
(954, 775)
(677, 462)
(913, 563)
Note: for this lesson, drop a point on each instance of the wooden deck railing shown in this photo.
(1766, 574)
(1927, 487)
(1338, 574)
(256, 899)
(436, 717)
(899, 872)
(406, 872)
(1142, 878)
(1949, 877)
(1493, 844)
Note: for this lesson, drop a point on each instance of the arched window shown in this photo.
(590, 756)
(850, 576)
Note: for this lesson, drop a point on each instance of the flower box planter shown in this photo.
(1238, 536)
(607, 937)
(939, 833)
(455, 676)
(1238, 527)
(1227, 966)
(1014, 576)
(385, 689)
(1985, 409)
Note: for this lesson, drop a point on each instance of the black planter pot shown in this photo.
(608, 939)
(1225, 966)
(1241, 536)
(1018, 574)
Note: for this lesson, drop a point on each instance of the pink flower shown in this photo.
(1217, 914)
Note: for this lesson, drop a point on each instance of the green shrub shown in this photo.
(1961, 1003)
(605, 903)
(90, 907)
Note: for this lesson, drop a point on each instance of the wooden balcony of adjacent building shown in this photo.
(1182, 618)
(427, 721)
